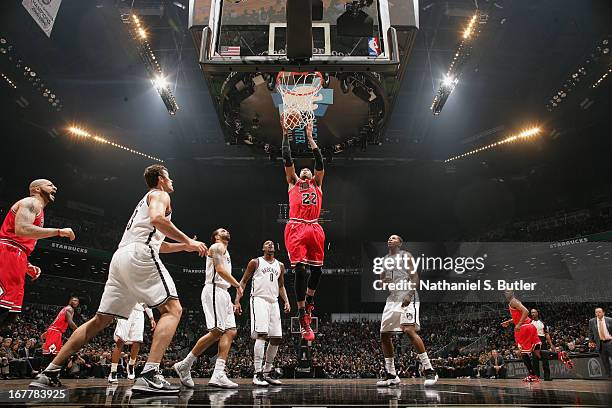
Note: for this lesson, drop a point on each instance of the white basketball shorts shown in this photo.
(218, 308)
(265, 318)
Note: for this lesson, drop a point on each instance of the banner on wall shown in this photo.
(43, 12)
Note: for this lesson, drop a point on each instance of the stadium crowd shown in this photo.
(342, 350)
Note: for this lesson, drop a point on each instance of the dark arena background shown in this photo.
(478, 131)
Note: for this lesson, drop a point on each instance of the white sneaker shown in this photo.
(184, 374)
(258, 379)
(389, 380)
(112, 378)
(220, 380)
(431, 377)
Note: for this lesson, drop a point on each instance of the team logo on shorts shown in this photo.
(409, 316)
(52, 349)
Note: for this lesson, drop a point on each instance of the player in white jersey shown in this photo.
(136, 274)
(219, 313)
(401, 314)
(129, 332)
(268, 282)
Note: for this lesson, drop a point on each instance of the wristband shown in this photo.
(58, 232)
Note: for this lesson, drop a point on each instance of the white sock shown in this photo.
(132, 361)
(425, 361)
(114, 367)
(270, 356)
(219, 366)
(150, 366)
(190, 359)
(258, 354)
(390, 366)
(53, 367)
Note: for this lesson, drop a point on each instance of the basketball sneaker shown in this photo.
(258, 379)
(220, 380)
(272, 377)
(564, 358)
(131, 374)
(431, 377)
(47, 379)
(389, 380)
(112, 378)
(307, 333)
(184, 374)
(154, 383)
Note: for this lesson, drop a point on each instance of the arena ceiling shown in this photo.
(525, 52)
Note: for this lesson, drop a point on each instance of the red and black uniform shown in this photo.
(53, 339)
(304, 236)
(527, 336)
(14, 252)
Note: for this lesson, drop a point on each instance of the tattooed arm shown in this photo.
(27, 210)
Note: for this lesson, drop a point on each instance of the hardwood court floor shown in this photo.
(322, 393)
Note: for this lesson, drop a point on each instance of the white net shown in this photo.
(300, 91)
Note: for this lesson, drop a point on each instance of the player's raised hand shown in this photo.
(237, 309)
(197, 246)
(66, 233)
(33, 271)
(287, 307)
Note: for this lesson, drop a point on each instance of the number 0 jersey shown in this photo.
(140, 229)
(265, 279)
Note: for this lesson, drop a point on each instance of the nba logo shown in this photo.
(373, 47)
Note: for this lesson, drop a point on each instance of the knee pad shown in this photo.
(300, 282)
(315, 277)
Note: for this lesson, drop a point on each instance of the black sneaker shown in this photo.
(431, 377)
(273, 377)
(47, 379)
(154, 383)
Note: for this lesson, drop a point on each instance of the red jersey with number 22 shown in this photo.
(305, 201)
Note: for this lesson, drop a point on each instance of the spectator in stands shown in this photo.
(496, 366)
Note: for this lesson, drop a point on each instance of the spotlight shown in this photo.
(160, 82)
(449, 81)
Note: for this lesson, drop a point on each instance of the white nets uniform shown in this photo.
(265, 312)
(394, 315)
(132, 330)
(136, 274)
(216, 300)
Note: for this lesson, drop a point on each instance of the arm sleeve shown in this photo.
(318, 159)
(286, 151)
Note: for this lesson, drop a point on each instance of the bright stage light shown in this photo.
(142, 33)
(160, 82)
(470, 28)
(449, 81)
(524, 135)
(77, 131)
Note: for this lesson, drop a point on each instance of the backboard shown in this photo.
(241, 34)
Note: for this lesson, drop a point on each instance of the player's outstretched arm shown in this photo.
(288, 160)
(282, 291)
(318, 157)
(159, 202)
(248, 274)
(27, 210)
(171, 247)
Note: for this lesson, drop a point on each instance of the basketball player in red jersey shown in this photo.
(527, 340)
(53, 335)
(304, 237)
(21, 228)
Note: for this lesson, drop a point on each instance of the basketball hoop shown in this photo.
(300, 91)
